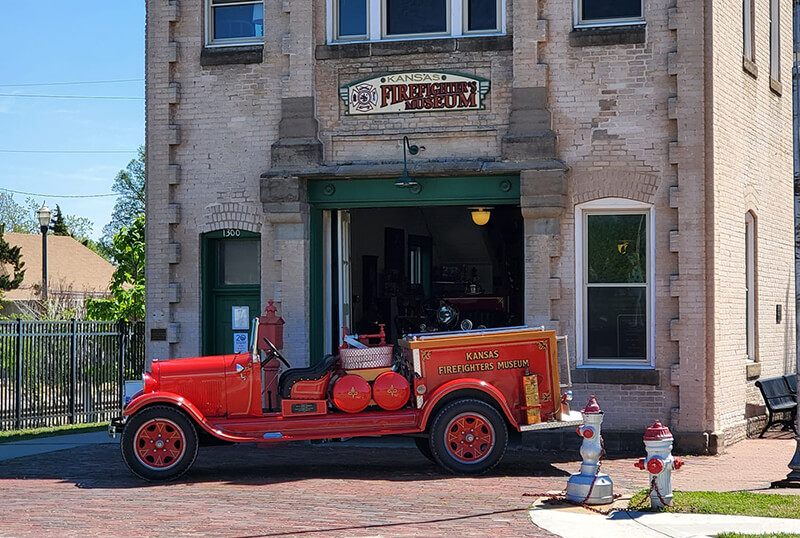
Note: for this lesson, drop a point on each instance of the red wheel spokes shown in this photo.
(470, 438)
(159, 444)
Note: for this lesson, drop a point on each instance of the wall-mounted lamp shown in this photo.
(405, 180)
(480, 215)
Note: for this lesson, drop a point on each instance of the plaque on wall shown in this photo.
(414, 91)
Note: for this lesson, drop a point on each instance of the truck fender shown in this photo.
(466, 384)
(175, 400)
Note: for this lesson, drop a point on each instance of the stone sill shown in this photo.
(753, 370)
(250, 54)
(607, 35)
(775, 86)
(750, 67)
(613, 376)
(413, 46)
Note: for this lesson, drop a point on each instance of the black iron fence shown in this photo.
(66, 372)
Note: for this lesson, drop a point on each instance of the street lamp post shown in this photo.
(43, 215)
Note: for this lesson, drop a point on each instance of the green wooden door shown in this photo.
(231, 289)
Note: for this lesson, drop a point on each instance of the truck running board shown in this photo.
(573, 419)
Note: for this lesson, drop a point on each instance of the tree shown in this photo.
(130, 185)
(79, 227)
(16, 217)
(127, 283)
(58, 224)
(10, 256)
(21, 218)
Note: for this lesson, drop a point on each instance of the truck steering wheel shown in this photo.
(273, 352)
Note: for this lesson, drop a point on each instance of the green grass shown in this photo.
(739, 503)
(770, 535)
(23, 435)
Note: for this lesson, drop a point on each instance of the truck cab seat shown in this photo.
(311, 373)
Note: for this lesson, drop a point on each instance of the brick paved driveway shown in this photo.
(334, 489)
(300, 490)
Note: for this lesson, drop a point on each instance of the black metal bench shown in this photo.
(780, 395)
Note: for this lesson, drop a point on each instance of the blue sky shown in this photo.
(54, 41)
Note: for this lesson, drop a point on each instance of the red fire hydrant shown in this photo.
(270, 327)
(659, 463)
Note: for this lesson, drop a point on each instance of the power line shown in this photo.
(107, 97)
(58, 195)
(71, 83)
(65, 151)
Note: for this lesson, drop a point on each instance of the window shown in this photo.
(748, 19)
(774, 40)
(235, 22)
(374, 20)
(608, 12)
(614, 272)
(750, 284)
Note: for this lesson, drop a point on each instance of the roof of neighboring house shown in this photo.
(71, 267)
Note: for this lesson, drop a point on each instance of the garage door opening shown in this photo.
(399, 266)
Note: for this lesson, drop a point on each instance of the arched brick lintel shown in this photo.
(588, 186)
(230, 215)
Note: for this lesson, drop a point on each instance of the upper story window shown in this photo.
(748, 30)
(608, 12)
(374, 20)
(775, 40)
(234, 22)
(750, 285)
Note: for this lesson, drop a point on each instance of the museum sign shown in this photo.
(417, 91)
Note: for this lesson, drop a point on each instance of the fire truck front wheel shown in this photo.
(159, 443)
(468, 437)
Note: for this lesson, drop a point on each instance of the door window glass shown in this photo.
(238, 263)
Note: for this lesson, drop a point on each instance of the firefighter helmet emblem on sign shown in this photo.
(365, 97)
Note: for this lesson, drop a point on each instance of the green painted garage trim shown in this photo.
(355, 193)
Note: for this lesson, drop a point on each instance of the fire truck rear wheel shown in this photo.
(468, 437)
(159, 443)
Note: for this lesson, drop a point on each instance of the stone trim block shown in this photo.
(613, 376)
(413, 47)
(174, 177)
(174, 333)
(174, 213)
(174, 135)
(174, 93)
(174, 253)
(174, 292)
(604, 37)
(250, 54)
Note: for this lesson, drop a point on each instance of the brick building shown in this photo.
(634, 157)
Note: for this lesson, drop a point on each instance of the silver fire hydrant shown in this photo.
(590, 486)
(659, 463)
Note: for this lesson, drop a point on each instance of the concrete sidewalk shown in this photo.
(31, 447)
(575, 522)
(751, 465)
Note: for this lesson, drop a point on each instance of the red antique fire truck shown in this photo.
(456, 393)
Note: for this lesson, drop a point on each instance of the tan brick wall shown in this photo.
(633, 121)
(752, 128)
(610, 112)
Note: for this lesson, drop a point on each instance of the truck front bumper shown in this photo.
(116, 426)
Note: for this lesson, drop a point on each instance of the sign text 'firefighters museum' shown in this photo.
(417, 91)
